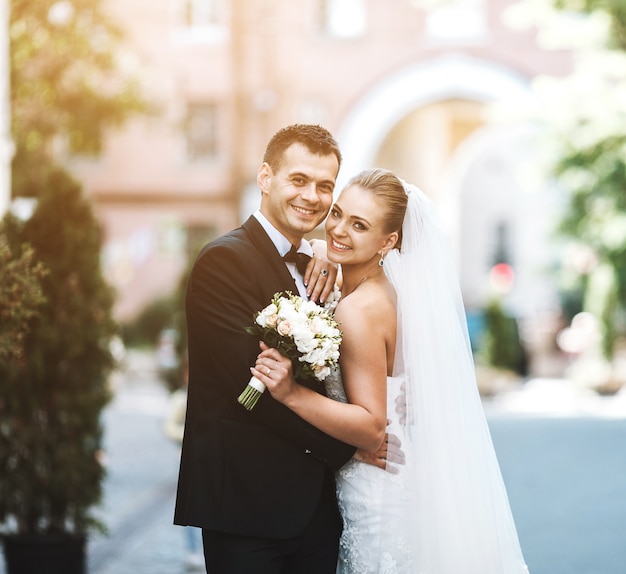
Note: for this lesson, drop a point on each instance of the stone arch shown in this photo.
(450, 76)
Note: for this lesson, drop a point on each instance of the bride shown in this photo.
(445, 510)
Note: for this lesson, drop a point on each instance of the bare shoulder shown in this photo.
(374, 302)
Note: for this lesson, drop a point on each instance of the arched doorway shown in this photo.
(455, 77)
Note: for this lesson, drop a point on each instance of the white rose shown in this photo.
(287, 308)
(304, 339)
(300, 319)
(309, 307)
(315, 356)
(268, 317)
(321, 372)
(327, 330)
(327, 346)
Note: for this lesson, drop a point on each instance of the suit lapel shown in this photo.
(261, 240)
(264, 245)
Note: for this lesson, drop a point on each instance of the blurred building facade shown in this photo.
(403, 84)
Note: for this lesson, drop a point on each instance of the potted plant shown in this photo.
(51, 401)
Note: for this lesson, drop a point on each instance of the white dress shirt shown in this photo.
(283, 245)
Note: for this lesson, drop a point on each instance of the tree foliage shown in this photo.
(69, 81)
(20, 298)
(501, 346)
(50, 408)
(614, 9)
(584, 115)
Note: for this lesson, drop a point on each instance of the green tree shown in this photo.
(50, 408)
(68, 83)
(501, 346)
(584, 145)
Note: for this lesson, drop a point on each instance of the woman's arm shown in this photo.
(363, 360)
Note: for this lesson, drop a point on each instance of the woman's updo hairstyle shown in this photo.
(388, 187)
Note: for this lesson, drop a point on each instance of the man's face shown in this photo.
(297, 197)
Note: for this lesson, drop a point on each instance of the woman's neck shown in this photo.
(355, 276)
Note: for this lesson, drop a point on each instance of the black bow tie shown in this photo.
(300, 259)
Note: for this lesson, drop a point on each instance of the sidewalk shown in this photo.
(141, 479)
(547, 397)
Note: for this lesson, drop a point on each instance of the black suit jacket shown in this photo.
(259, 472)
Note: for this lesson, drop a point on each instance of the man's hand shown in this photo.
(389, 452)
(321, 273)
(401, 409)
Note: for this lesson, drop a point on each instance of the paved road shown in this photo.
(563, 458)
(562, 453)
(566, 479)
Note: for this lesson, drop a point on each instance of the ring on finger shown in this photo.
(324, 272)
(268, 371)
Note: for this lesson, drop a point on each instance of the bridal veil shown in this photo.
(456, 515)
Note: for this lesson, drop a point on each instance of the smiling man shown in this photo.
(259, 483)
(297, 189)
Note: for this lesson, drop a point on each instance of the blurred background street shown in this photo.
(562, 453)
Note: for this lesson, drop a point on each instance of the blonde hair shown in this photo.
(388, 187)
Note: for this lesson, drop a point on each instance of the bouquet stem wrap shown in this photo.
(250, 395)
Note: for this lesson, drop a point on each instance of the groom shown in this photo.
(259, 483)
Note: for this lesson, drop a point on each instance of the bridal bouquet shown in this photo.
(303, 332)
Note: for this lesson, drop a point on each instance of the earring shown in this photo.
(381, 261)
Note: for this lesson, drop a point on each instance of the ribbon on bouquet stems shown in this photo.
(251, 394)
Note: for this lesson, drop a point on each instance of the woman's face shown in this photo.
(355, 227)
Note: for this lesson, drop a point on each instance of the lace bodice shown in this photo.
(334, 386)
(373, 540)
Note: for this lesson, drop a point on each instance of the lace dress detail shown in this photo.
(373, 539)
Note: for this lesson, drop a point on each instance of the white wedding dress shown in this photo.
(373, 539)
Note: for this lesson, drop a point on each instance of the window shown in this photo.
(343, 18)
(201, 131)
(199, 13)
(457, 20)
(199, 21)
